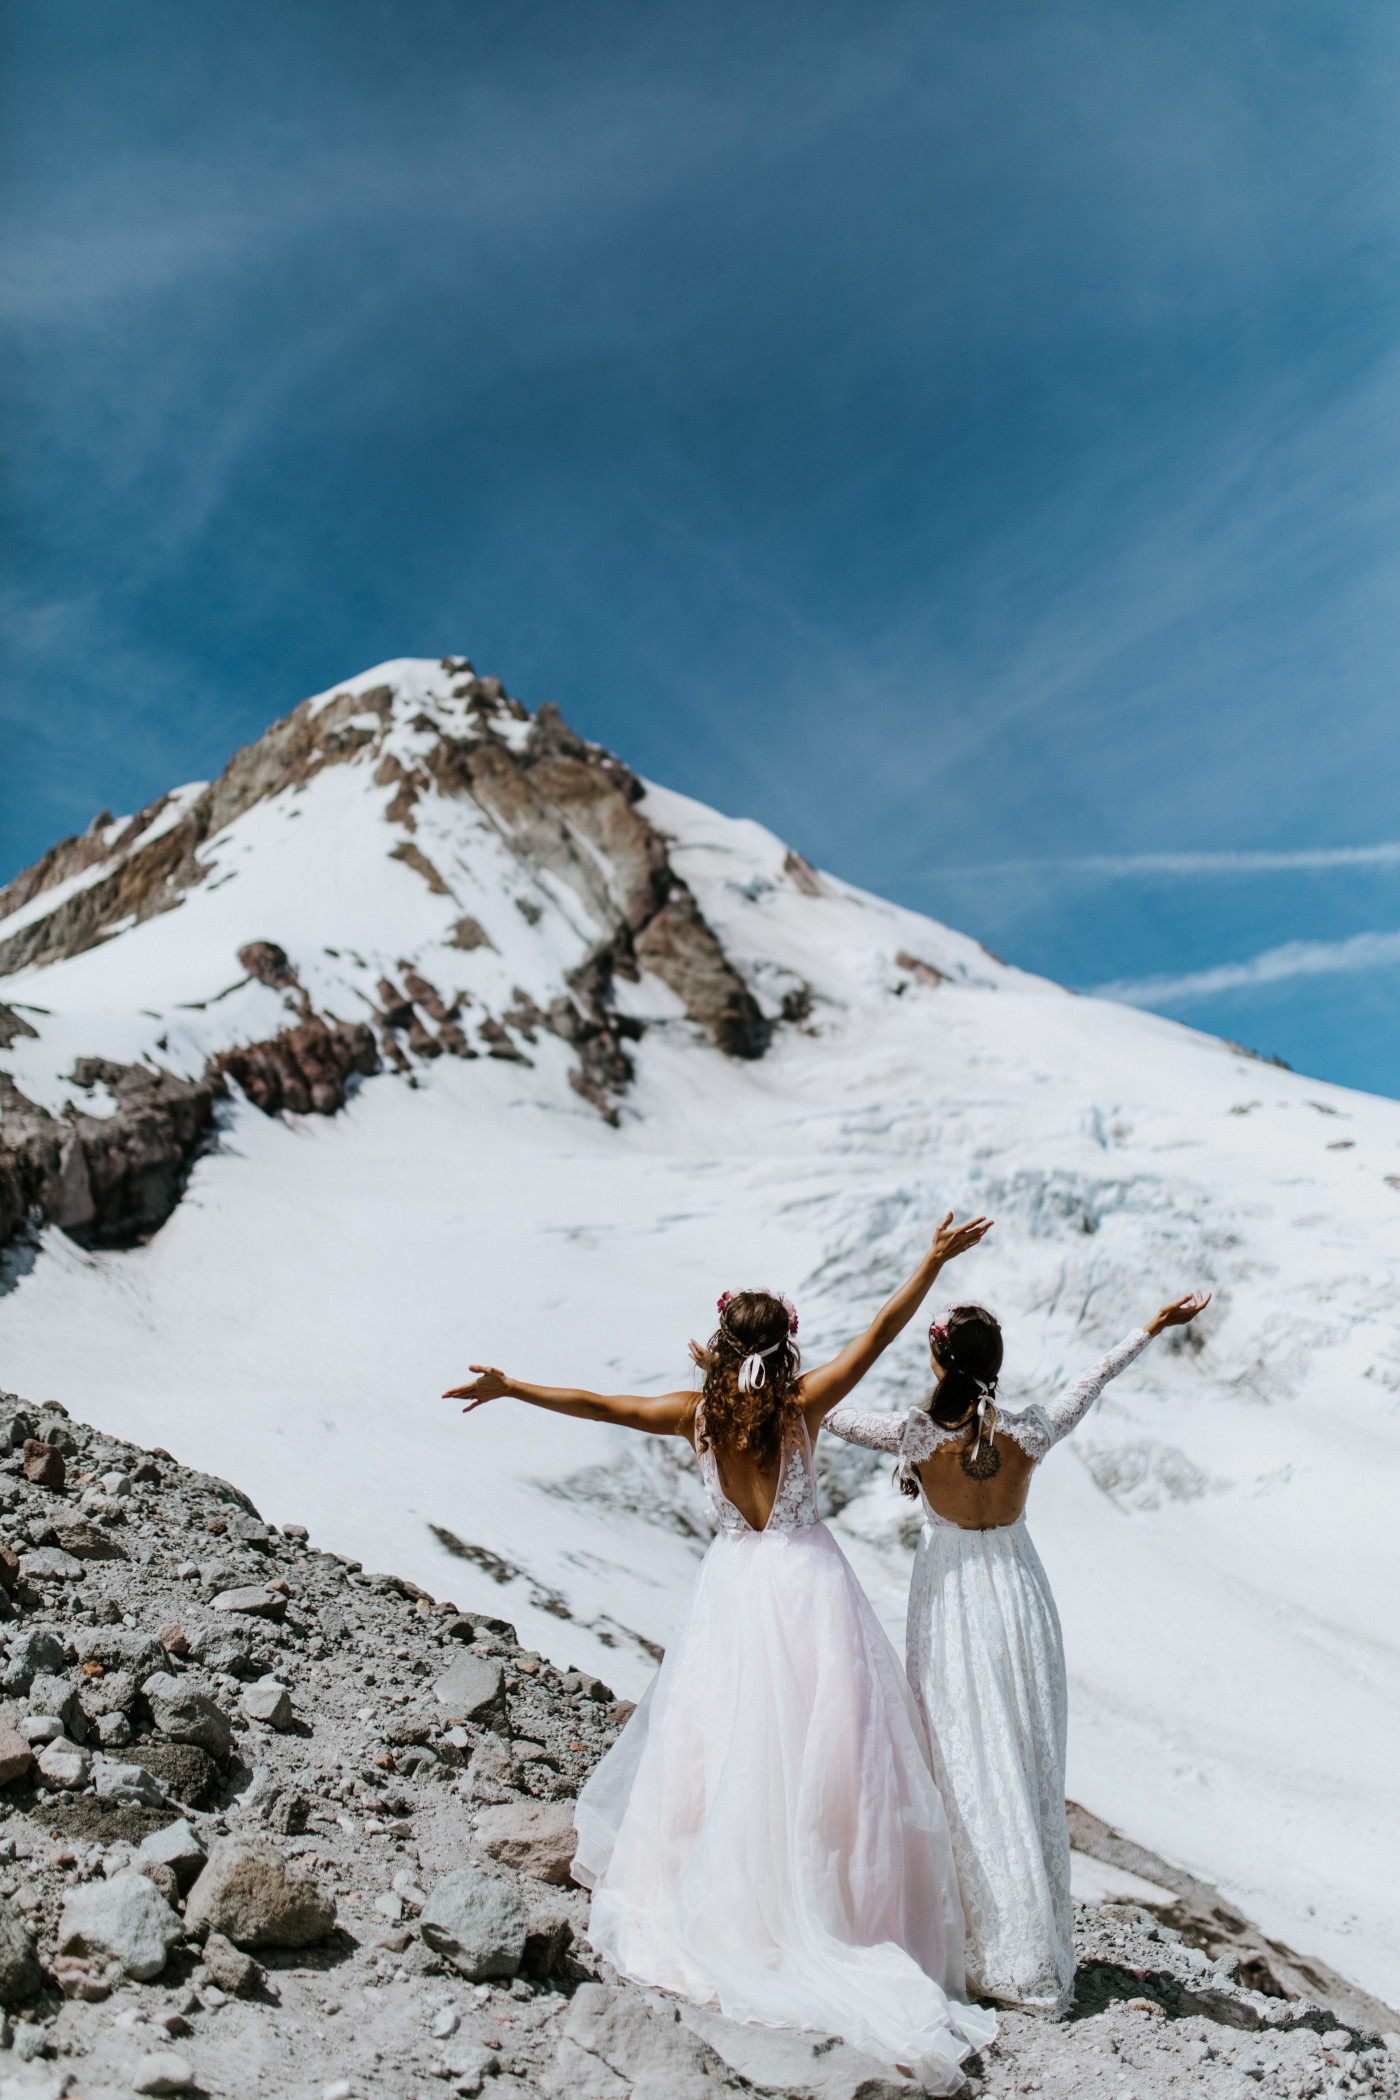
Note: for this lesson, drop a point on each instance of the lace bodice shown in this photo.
(795, 1503)
(915, 1436)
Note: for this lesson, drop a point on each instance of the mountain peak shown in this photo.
(423, 765)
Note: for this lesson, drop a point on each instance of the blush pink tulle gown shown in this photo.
(765, 1835)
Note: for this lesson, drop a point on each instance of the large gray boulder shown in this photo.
(30, 1653)
(473, 1688)
(125, 1919)
(187, 1715)
(477, 1923)
(227, 1645)
(616, 2043)
(250, 1894)
(20, 1975)
(135, 1654)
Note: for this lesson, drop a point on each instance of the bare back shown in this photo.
(978, 1505)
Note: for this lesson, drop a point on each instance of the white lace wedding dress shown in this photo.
(765, 1833)
(987, 1665)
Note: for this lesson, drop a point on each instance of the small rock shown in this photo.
(252, 1601)
(29, 2044)
(175, 1640)
(250, 1893)
(15, 1754)
(338, 2089)
(166, 2073)
(81, 1979)
(446, 2021)
(471, 1687)
(113, 1731)
(188, 1716)
(20, 1975)
(185, 1772)
(477, 1923)
(43, 1465)
(226, 1646)
(493, 1772)
(389, 1905)
(548, 1937)
(62, 1764)
(161, 1877)
(125, 1919)
(230, 1969)
(50, 1564)
(268, 1703)
(33, 1651)
(179, 1847)
(53, 1695)
(41, 1728)
(535, 1837)
(111, 1692)
(132, 1784)
(88, 1541)
(296, 1531)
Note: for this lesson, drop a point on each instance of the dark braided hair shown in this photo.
(967, 1345)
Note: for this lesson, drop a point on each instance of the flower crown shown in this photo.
(726, 1299)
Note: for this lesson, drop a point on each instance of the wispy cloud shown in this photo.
(1363, 951)
(1112, 867)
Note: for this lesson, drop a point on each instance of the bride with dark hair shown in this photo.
(765, 1834)
(984, 1652)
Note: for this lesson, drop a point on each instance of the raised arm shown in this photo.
(1068, 1409)
(667, 1414)
(824, 1387)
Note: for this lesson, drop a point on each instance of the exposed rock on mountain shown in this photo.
(565, 811)
(108, 1181)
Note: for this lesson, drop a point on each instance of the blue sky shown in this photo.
(965, 438)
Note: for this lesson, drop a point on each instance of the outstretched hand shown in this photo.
(1180, 1313)
(951, 1240)
(488, 1386)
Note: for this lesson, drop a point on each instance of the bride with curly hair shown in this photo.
(765, 1835)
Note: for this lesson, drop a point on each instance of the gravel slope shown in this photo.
(415, 1755)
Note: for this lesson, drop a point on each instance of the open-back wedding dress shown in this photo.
(765, 1833)
(987, 1666)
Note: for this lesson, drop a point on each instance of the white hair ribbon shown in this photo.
(753, 1371)
(984, 1402)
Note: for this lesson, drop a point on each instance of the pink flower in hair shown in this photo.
(727, 1298)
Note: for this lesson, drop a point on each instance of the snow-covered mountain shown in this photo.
(427, 1034)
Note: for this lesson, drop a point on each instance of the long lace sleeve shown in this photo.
(1039, 1429)
(912, 1435)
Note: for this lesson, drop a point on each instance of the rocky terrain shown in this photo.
(273, 1824)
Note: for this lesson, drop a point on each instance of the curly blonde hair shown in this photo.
(759, 1421)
